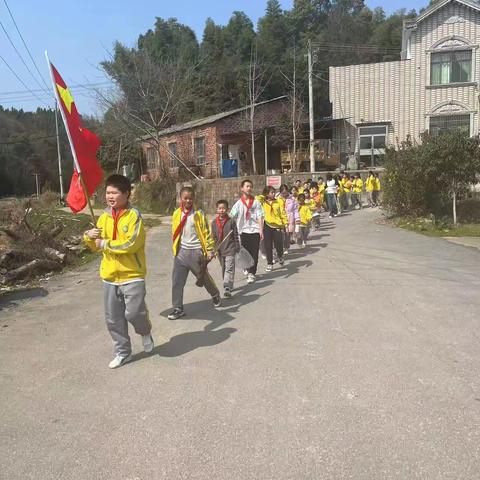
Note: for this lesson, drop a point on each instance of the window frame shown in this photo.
(199, 159)
(451, 52)
(451, 116)
(174, 163)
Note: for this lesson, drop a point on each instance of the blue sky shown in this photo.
(78, 35)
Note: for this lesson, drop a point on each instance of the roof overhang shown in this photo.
(376, 122)
(440, 4)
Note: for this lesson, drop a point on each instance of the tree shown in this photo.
(419, 176)
(454, 163)
(256, 85)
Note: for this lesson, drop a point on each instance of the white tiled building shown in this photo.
(435, 85)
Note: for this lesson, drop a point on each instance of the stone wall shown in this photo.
(209, 191)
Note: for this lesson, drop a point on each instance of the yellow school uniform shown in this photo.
(369, 183)
(201, 227)
(275, 214)
(123, 258)
(376, 184)
(305, 215)
(357, 185)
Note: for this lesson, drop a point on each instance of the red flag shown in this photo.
(84, 145)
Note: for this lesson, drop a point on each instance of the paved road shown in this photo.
(359, 360)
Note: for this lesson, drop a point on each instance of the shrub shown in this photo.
(431, 176)
(157, 196)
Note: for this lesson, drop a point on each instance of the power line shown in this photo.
(20, 56)
(25, 95)
(21, 81)
(90, 86)
(24, 43)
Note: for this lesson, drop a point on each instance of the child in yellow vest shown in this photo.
(369, 187)
(193, 247)
(357, 189)
(376, 190)
(120, 238)
(275, 218)
(303, 225)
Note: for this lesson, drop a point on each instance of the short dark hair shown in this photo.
(119, 182)
(268, 189)
(301, 196)
(247, 180)
(187, 190)
(222, 202)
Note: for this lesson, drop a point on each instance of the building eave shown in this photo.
(437, 6)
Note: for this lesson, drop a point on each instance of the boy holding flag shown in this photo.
(120, 237)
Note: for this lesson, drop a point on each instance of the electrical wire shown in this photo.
(20, 56)
(25, 44)
(21, 81)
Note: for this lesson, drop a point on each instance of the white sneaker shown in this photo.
(148, 343)
(251, 278)
(245, 272)
(118, 361)
(304, 244)
(269, 268)
(264, 256)
(285, 252)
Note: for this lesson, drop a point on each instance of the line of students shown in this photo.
(276, 221)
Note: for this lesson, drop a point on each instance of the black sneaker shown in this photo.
(177, 313)
(217, 301)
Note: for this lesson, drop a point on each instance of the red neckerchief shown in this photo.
(221, 226)
(183, 221)
(248, 205)
(116, 214)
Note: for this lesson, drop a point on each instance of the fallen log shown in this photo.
(55, 255)
(34, 266)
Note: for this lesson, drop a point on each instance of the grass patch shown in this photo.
(428, 227)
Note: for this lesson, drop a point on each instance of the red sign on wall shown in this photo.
(274, 181)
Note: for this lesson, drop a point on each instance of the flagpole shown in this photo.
(77, 166)
(59, 155)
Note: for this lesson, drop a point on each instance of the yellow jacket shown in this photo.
(369, 183)
(357, 185)
(305, 214)
(201, 227)
(275, 214)
(311, 204)
(123, 258)
(376, 184)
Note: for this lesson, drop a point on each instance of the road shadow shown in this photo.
(187, 342)
(203, 309)
(11, 299)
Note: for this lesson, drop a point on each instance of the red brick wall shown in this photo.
(185, 151)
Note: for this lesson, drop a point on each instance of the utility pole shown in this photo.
(310, 107)
(59, 155)
(266, 152)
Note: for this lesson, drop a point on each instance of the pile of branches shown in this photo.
(32, 248)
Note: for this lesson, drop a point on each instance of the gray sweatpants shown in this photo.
(123, 304)
(228, 270)
(188, 261)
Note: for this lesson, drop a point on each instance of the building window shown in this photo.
(451, 67)
(373, 140)
(449, 123)
(199, 150)
(152, 158)
(172, 148)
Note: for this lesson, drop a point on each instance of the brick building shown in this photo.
(202, 144)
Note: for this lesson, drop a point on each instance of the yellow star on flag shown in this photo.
(66, 97)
